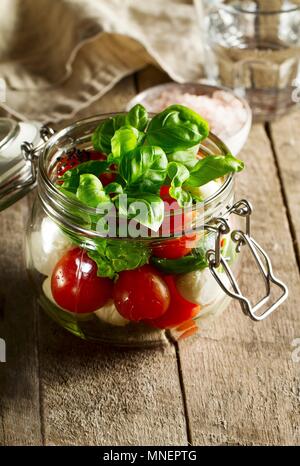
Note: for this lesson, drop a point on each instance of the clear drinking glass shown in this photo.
(253, 47)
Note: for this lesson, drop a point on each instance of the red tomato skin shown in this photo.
(141, 294)
(176, 247)
(174, 224)
(164, 194)
(75, 285)
(107, 178)
(72, 159)
(95, 155)
(180, 310)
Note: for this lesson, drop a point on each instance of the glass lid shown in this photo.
(16, 171)
(7, 129)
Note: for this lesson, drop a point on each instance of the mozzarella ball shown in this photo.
(47, 246)
(109, 314)
(201, 288)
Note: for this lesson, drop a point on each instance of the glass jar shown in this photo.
(203, 284)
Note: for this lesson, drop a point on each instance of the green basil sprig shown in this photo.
(188, 157)
(177, 128)
(114, 256)
(137, 117)
(145, 208)
(104, 133)
(71, 177)
(177, 266)
(196, 260)
(125, 140)
(144, 169)
(90, 191)
(213, 167)
(178, 174)
(149, 155)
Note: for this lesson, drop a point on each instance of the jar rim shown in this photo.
(235, 8)
(11, 130)
(63, 201)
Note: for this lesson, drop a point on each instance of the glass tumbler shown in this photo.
(253, 47)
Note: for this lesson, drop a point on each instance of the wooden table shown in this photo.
(236, 385)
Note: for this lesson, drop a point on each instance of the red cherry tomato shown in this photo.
(94, 155)
(66, 162)
(176, 247)
(164, 194)
(141, 294)
(109, 177)
(75, 285)
(174, 223)
(179, 311)
(76, 157)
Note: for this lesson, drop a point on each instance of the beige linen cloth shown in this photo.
(57, 56)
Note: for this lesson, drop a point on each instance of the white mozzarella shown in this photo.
(109, 314)
(209, 189)
(201, 288)
(47, 246)
(205, 191)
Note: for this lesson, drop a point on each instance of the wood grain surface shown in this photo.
(20, 421)
(286, 144)
(236, 384)
(245, 386)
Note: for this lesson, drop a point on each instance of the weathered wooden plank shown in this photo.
(99, 396)
(241, 384)
(95, 395)
(239, 379)
(286, 140)
(19, 382)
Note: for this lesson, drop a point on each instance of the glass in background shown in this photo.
(253, 47)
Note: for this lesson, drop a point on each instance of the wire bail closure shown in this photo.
(215, 259)
(30, 154)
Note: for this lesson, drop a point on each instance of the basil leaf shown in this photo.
(104, 132)
(90, 191)
(195, 261)
(144, 169)
(119, 121)
(187, 157)
(71, 177)
(113, 188)
(137, 117)
(213, 167)
(178, 174)
(102, 135)
(183, 265)
(177, 128)
(145, 208)
(114, 255)
(125, 140)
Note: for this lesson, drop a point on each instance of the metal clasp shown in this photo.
(30, 154)
(215, 259)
